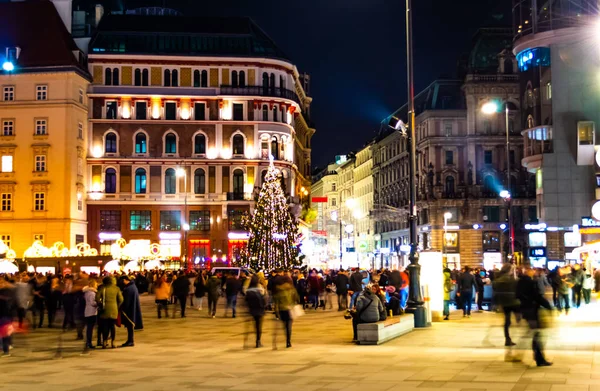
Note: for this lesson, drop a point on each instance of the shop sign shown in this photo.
(535, 227)
(537, 252)
(572, 239)
(362, 245)
(317, 200)
(589, 222)
(537, 239)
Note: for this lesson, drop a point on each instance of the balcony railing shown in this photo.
(260, 91)
(537, 140)
(235, 196)
(493, 78)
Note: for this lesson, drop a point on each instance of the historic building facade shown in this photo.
(461, 165)
(182, 129)
(43, 118)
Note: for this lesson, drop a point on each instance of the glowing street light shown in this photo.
(504, 194)
(489, 108)
(350, 203)
(8, 66)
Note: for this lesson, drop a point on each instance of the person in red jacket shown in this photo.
(403, 288)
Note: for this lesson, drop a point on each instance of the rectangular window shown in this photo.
(110, 220)
(487, 157)
(333, 202)
(6, 240)
(141, 110)
(199, 111)
(39, 201)
(140, 220)
(532, 214)
(80, 130)
(41, 127)
(491, 241)
(448, 129)
(41, 92)
(511, 155)
(80, 96)
(79, 239)
(79, 204)
(170, 111)
(6, 202)
(40, 163)
(80, 166)
(111, 109)
(585, 132)
(7, 163)
(491, 214)
(170, 220)
(449, 157)
(9, 93)
(38, 238)
(235, 219)
(8, 127)
(200, 220)
(333, 187)
(238, 112)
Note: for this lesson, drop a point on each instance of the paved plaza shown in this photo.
(207, 354)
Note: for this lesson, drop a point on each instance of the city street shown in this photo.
(203, 353)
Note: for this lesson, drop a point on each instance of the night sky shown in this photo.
(354, 51)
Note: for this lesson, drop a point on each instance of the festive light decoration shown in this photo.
(58, 249)
(272, 229)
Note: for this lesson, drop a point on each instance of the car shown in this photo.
(229, 270)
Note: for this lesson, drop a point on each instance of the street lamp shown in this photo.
(505, 194)
(447, 216)
(185, 226)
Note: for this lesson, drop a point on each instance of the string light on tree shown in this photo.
(273, 231)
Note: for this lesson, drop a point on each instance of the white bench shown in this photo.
(380, 332)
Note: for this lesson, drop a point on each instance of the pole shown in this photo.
(511, 232)
(185, 216)
(415, 299)
(444, 241)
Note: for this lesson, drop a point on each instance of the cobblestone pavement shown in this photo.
(207, 354)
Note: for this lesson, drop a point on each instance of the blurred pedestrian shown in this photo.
(341, 287)
(255, 299)
(7, 298)
(285, 297)
(162, 291)
(181, 290)
(233, 287)
(23, 297)
(466, 284)
(199, 290)
(131, 312)
(588, 285)
(213, 292)
(505, 296)
(109, 298)
(577, 281)
(448, 286)
(91, 311)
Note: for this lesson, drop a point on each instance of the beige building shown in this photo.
(43, 114)
(364, 225)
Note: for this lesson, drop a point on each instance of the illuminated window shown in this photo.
(235, 217)
(41, 92)
(140, 181)
(7, 163)
(40, 163)
(170, 181)
(9, 93)
(39, 201)
(6, 202)
(585, 132)
(199, 181)
(140, 143)
(448, 129)
(8, 128)
(110, 220)
(140, 220)
(6, 240)
(238, 144)
(170, 220)
(38, 237)
(40, 127)
(200, 220)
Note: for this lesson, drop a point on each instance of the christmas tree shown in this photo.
(272, 228)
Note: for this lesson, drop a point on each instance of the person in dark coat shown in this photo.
(466, 282)
(255, 299)
(213, 291)
(355, 286)
(200, 290)
(341, 288)
(181, 290)
(131, 313)
(314, 285)
(7, 300)
(233, 287)
(531, 301)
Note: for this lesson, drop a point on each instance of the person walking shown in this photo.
(448, 286)
(68, 298)
(131, 313)
(531, 302)
(564, 286)
(255, 300)
(23, 297)
(466, 284)
(109, 299)
(505, 296)
(213, 292)
(577, 278)
(199, 290)
(285, 297)
(7, 298)
(341, 288)
(162, 292)
(90, 311)
(181, 290)
(588, 285)
(233, 286)
(403, 291)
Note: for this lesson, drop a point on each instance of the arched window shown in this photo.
(199, 181)
(110, 181)
(200, 144)
(275, 114)
(204, 81)
(141, 144)
(145, 77)
(170, 181)
(170, 143)
(196, 78)
(275, 148)
(242, 79)
(174, 78)
(265, 115)
(107, 77)
(265, 83)
(140, 181)
(110, 143)
(272, 83)
(449, 186)
(137, 78)
(115, 77)
(238, 144)
(167, 78)
(234, 79)
(238, 181)
(488, 185)
(282, 114)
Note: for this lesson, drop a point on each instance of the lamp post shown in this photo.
(184, 225)
(490, 108)
(447, 216)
